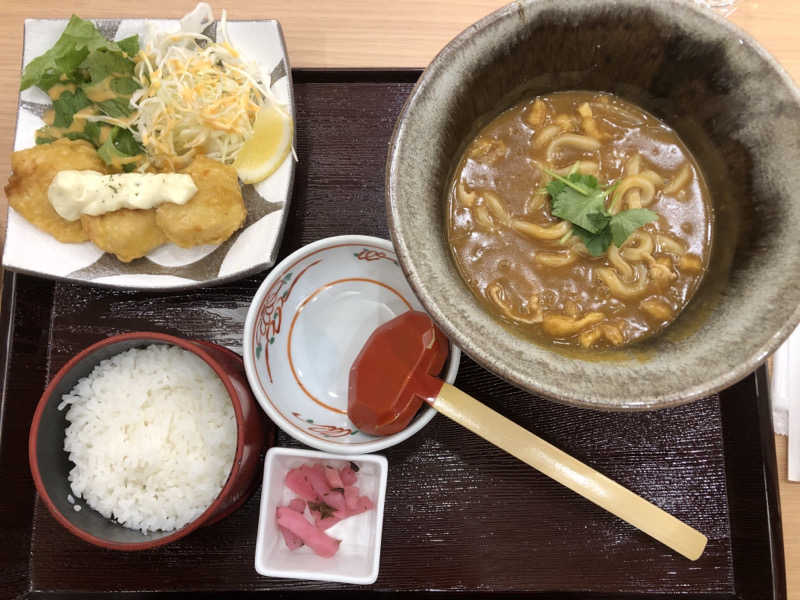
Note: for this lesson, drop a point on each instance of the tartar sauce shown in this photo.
(73, 193)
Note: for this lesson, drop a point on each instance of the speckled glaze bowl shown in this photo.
(732, 104)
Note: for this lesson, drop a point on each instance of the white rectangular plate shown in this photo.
(251, 249)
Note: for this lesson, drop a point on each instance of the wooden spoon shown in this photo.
(397, 370)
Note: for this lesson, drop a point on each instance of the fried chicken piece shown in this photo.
(34, 169)
(126, 233)
(213, 213)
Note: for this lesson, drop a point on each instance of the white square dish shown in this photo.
(358, 558)
(251, 249)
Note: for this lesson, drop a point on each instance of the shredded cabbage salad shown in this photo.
(198, 96)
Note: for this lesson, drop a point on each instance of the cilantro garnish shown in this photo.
(580, 200)
(626, 222)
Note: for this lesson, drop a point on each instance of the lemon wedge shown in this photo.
(267, 147)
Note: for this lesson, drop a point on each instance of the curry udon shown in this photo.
(550, 277)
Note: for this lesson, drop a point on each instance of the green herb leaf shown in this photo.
(625, 223)
(67, 104)
(105, 63)
(108, 152)
(125, 143)
(116, 107)
(79, 39)
(124, 86)
(596, 243)
(587, 212)
(583, 184)
(324, 510)
(91, 133)
(130, 45)
(119, 144)
(578, 199)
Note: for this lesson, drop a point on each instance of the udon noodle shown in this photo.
(529, 267)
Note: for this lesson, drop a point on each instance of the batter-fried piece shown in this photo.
(213, 213)
(34, 169)
(126, 233)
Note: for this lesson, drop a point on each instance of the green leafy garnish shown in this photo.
(115, 107)
(625, 223)
(119, 147)
(91, 133)
(66, 105)
(102, 64)
(596, 243)
(324, 510)
(580, 200)
(96, 78)
(124, 85)
(130, 45)
(584, 208)
(80, 38)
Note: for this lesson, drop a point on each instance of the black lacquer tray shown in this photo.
(462, 518)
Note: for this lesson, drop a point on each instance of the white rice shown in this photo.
(152, 434)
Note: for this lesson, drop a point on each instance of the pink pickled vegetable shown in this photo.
(348, 475)
(316, 477)
(297, 481)
(318, 541)
(333, 477)
(331, 496)
(335, 499)
(363, 504)
(356, 504)
(323, 524)
(292, 541)
(351, 497)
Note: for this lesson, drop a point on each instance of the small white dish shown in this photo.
(307, 323)
(358, 558)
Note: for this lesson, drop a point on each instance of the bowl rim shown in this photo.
(206, 517)
(277, 417)
(473, 349)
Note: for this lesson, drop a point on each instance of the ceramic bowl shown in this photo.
(50, 464)
(358, 559)
(306, 324)
(733, 105)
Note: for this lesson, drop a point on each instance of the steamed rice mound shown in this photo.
(152, 434)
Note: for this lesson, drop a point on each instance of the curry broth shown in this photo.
(528, 267)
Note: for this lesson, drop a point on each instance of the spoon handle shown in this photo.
(572, 473)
